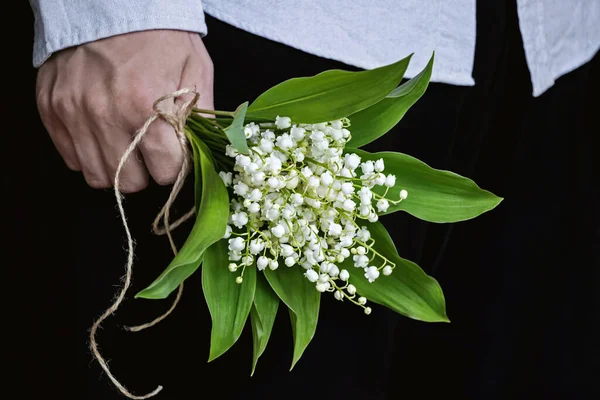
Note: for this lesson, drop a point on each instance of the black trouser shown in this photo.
(519, 281)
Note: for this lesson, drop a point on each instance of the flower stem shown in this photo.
(214, 112)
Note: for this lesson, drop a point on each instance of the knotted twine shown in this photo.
(177, 120)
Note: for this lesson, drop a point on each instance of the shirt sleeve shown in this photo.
(64, 23)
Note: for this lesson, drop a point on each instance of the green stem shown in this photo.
(214, 112)
(375, 252)
(313, 161)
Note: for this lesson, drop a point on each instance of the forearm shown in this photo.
(65, 23)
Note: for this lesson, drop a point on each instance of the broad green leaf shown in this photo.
(302, 299)
(228, 302)
(262, 317)
(408, 290)
(433, 195)
(208, 228)
(373, 122)
(235, 131)
(329, 95)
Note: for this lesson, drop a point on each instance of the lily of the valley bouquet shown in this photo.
(287, 206)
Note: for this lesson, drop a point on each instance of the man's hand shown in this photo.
(92, 98)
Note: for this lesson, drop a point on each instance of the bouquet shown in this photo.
(287, 206)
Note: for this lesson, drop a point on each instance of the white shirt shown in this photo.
(558, 35)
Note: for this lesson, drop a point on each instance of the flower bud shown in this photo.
(278, 231)
(290, 261)
(390, 180)
(311, 275)
(323, 286)
(351, 289)
(283, 122)
(262, 263)
(344, 275)
(333, 270)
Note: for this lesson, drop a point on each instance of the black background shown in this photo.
(521, 282)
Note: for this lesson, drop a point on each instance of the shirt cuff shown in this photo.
(65, 23)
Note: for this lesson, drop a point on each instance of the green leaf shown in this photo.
(433, 195)
(302, 299)
(262, 317)
(197, 170)
(235, 131)
(228, 302)
(375, 121)
(213, 213)
(329, 95)
(408, 290)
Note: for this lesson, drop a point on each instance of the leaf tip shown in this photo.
(212, 356)
(148, 295)
(295, 360)
(495, 201)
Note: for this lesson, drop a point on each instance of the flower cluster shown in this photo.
(297, 198)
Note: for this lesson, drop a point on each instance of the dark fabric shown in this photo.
(521, 282)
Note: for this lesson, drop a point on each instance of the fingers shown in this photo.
(62, 140)
(198, 73)
(85, 146)
(114, 143)
(93, 100)
(91, 160)
(160, 147)
(65, 109)
(56, 129)
(113, 139)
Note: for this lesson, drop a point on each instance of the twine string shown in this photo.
(177, 121)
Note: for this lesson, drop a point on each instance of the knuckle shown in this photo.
(64, 103)
(42, 101)
(97, 105)
(141, 101)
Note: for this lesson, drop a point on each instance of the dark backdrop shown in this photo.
(521, 282)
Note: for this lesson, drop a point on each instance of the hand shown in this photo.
(93, 97)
